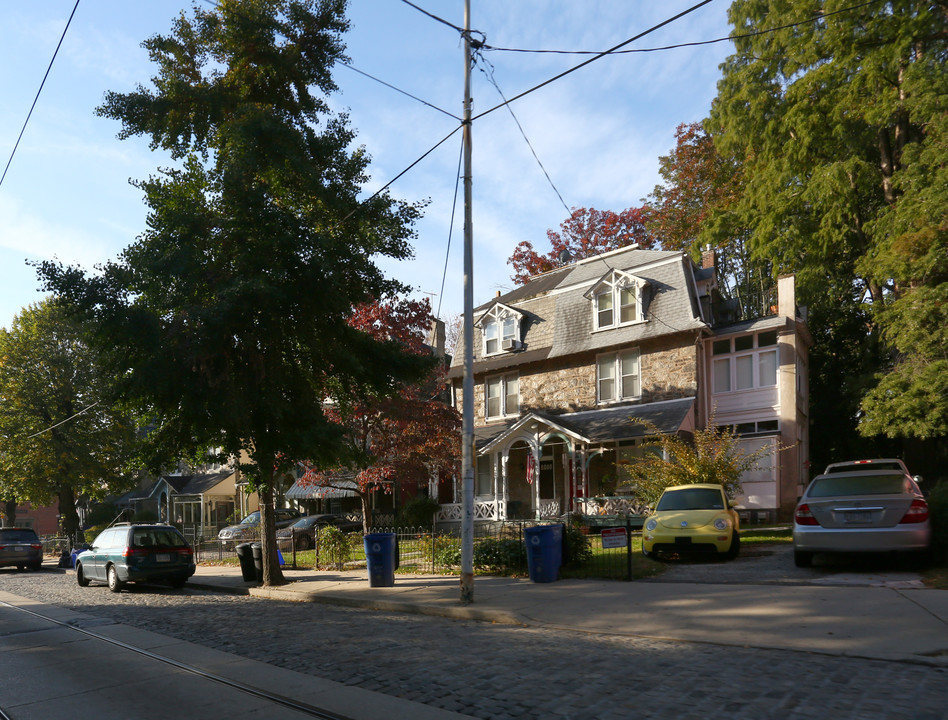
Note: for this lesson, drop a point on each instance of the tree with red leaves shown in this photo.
(397, 438)
(585, 232)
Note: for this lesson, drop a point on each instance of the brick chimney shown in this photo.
(707, 257)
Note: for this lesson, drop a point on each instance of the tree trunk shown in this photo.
(67, 510)
(272, 572)
(366, 513)
(9, 513)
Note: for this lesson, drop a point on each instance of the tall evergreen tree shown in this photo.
(229, 315)
(837, 113)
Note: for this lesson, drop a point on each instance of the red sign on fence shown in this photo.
(614, 538)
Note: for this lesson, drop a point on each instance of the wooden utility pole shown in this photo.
(467, 418)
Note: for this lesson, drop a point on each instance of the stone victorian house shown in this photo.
(566, 364)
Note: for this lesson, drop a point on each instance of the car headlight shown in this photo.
(721, 523)
(651, 524)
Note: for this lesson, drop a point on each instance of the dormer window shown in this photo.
(500, 327)
(617, 300)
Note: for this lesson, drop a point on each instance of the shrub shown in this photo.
(418, 512)
(447, 550)
(335, 546)
(500, 554)
(576, 549)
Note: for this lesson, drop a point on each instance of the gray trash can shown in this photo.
(257, 550)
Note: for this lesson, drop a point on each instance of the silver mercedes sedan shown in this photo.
(860, 511)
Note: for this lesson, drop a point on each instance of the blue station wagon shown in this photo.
(127, 553)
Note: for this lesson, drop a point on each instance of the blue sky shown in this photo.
(599, 131)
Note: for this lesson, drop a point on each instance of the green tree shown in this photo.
(713, 455)
(837, 115)
(399, 440)
(228, 318)
(61, 437)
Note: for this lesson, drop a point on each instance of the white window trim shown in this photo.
(504, 413)
(732, 358)
(497, 316)
(614, 283)
(617, 376)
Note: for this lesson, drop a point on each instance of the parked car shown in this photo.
(20, 547)
(127, 552)
(860, 511)
(306, 527)
(691, 519)
(877, 464)
(249, 527)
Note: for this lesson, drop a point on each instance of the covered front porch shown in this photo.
(543, 466)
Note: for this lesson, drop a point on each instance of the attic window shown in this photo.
(617, 300)
(500, 327)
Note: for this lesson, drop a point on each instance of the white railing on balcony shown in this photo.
(549, 509)
(453, 512)
(609, 506)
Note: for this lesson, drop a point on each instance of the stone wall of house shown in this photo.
(669, 374)
(569, 385)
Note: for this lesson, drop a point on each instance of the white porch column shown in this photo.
(504, 488)
(536, 483)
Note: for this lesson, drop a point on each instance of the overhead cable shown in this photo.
(818, 16)
(602, 54)
(382, 82)
(454, 206)
(30, 113)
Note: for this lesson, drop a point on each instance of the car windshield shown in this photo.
(306, 522)
(17, 535)
(251, 519)
(692, 499)
(833, 485)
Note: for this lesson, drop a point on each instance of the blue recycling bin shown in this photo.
(544, 552)
(380, 558)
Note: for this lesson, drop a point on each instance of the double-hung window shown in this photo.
(502, 394)
(745, 362)
(500, 327)
(617, 300)
(617, 376)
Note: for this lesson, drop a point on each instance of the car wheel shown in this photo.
(81, 577)
(803, 559)
(36, 566)
(20, 568)
(646, 553)
(303, 542)
(735, 548)
(115, 585)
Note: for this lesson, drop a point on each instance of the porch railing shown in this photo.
(620, 505)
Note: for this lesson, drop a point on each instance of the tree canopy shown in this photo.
(838, 117)
(228, 318)
(61, 436)
(401, 439)
(585, 232)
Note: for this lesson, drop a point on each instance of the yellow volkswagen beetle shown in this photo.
(692, 519)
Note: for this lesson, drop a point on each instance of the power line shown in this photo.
(454, 206)
(30, 113)
(490, 76)
(596, 57)
(698, 43)
(392, 87)
(63, 422)
(434, 17)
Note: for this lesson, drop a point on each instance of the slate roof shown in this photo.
(196, 484)
(559, 319)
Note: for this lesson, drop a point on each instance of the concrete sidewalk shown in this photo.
(907, 624)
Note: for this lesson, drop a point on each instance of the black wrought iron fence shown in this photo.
(499, 548)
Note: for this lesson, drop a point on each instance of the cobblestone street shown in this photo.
(499, 671)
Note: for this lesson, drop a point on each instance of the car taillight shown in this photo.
(803, 516)
(130, 552)
(186, 551)
(917, 512)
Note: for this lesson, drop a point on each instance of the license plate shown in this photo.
(683, 541)
(163, 557)
(859, 518)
